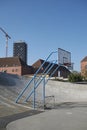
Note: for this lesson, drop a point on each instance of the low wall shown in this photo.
(66, 92)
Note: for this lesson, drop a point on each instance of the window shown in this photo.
(12, 70)
(16, 70)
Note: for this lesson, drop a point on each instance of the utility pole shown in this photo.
(7, 37)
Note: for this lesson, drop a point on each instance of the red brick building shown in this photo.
(14, 65)
(84, 66)
(64, 72)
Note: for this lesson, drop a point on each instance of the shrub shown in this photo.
(75, 77)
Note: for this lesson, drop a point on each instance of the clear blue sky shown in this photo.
(45, 25)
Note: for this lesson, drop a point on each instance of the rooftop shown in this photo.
(11, 61)
(84, 59)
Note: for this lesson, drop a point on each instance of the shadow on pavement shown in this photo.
(66, 105)
(5, 120)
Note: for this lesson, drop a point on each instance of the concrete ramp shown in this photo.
(10, 86)
(56, 92)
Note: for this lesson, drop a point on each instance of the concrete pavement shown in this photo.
(73, 118)
(7, 119)
(66, 116)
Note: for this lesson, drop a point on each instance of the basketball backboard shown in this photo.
(64, 57)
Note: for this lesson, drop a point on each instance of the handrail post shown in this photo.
(43, 92)
(34, 95)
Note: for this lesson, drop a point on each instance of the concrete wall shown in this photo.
(66, 92)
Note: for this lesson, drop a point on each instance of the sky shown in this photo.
(45, 25)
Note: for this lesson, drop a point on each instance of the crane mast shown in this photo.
(7, 37)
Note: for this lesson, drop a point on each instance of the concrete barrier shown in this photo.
(66, 92)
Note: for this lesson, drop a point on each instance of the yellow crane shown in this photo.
(7, 37)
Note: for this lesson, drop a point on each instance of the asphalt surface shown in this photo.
(4, 121)
(67, 116)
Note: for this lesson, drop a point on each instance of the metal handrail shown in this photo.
(37, 84)
(46, 69)
(23, 91)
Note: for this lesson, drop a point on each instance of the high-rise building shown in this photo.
(20, 50)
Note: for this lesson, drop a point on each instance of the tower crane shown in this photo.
(7, 37)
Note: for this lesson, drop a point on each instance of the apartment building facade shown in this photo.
(20, 50)
(84, 66)
(14, 65)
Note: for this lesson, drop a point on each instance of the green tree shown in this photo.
(75, 77)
